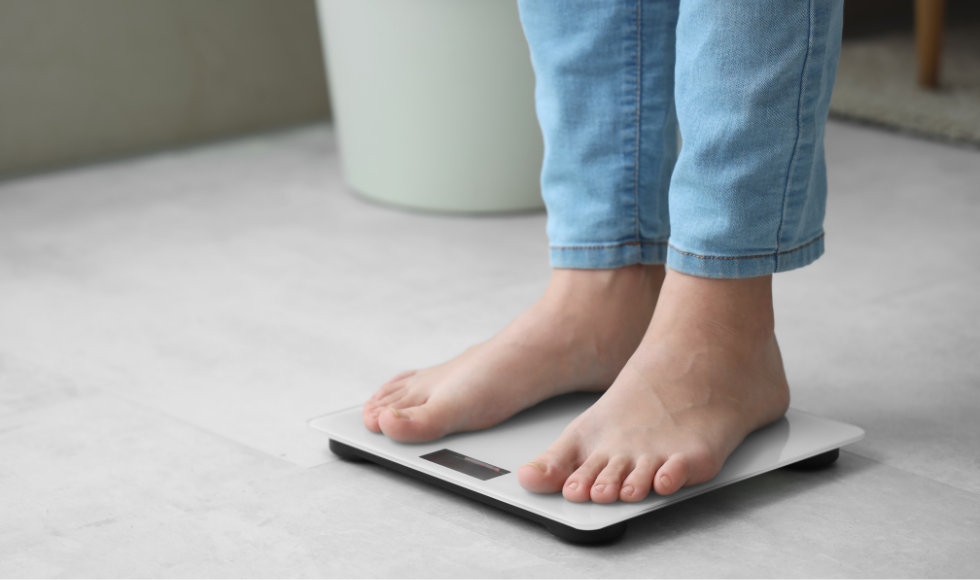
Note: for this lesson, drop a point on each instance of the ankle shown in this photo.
(740, 306)
(629, 281)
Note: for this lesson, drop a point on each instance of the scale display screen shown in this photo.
(463, 464)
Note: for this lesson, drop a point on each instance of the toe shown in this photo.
(392, 385)
(610, 480)
(426, 422)
(372, 409)
(637, 484)
(672, 475)
(369, 414)
(370, 418)
(547, 472)
(578, 486)
(387, 401)
(385, 390)
(400, 376)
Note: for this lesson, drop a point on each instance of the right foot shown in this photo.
(577, 337)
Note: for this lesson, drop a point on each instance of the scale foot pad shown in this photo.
(817, 461)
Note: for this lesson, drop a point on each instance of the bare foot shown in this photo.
(576, 337)
(707, 373)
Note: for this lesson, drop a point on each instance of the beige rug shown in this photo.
(876, 84)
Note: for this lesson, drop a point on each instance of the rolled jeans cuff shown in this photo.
(608, 256)
(744, 266)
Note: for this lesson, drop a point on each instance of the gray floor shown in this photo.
(168, 324)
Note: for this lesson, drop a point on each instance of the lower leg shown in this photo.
(707, 373)
(746, 199)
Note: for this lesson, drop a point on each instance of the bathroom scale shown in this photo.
(482, 465)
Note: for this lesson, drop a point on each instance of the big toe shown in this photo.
(548, 472)
(673, 474)
(426, 422)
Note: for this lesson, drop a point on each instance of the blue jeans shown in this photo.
(747, 85)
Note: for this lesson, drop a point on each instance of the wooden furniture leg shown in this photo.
(929, 16)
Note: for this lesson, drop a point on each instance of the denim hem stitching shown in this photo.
(620, 245)
(799, 131)
(813, 241)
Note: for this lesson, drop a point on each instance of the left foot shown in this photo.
(576, 337)
(707, 373)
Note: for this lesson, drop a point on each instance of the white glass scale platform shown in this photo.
(483, 464)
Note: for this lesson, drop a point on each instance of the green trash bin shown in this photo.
(433, 103)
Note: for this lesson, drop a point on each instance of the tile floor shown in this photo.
(169, 323)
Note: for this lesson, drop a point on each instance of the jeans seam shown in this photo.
(610, 246)
(799, 133)
(636, 145)
(777, 253)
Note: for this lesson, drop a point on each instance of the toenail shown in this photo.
(599, 487)
(665, 481)
(628, 489)
(573, 485)
(398, 413)
(537, 465)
